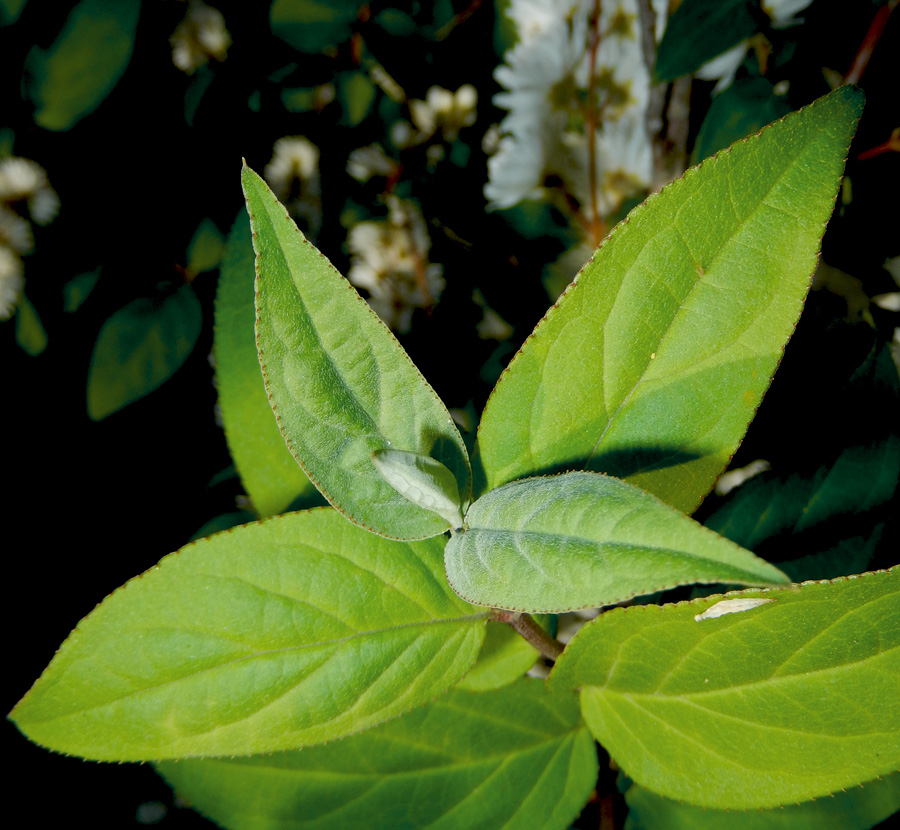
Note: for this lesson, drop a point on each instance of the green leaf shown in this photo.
(582, 540)
(779, 704)
(515, 758)
(313, 25)
(206, 248)
(741, 110)
(140, 347)
(78, 289)
(858, 808)
(72, 77)
(30, 332)
(272, 636)
(340, 384)
(10, 11)
(652, 364)
(699, 30)
(356, 94)
(832, 512)
(271, 477)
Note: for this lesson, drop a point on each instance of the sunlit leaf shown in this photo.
(583, 540)
(774, 705)
(652, 364)
(340, 384)
(272, 636)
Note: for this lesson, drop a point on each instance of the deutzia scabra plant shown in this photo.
(391, 618)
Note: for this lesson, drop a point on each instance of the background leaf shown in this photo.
(833, 514)
(30, 332)
(340, 384)
(72, 77)
(515, 758)
(504, 657)
(858, 808)
(313, 25)
(653, 362)
(140, 347)
(271, 477)
(780, 704)
(272, 636)
(582, 540)
(699, 30)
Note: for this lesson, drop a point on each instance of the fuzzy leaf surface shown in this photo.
(780, 704)
(340, 384)
(519, 757)
(271, 477)
(652, 364)
(582, 540)
(277, 635)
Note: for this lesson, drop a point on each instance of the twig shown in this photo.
(531, 631)
(870, 41)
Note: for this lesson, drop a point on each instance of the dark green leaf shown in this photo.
(699, 30)
(313, 25)
(140, 347)
(72, 77)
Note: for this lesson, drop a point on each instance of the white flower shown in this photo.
(558, 95)
(366, 162)
(782, 11)
(443, 111)
(389, 258)
(11, 281)
(293, 175)
(201, 35)
(23, 180)
(15, 232)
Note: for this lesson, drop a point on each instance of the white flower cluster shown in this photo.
(722, 68)
(442, 112)
(293, 175)
(577, 90)
(201, 35)
(22, 182)
(389, 258)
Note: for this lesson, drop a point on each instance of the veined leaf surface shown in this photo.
(783, 703)
(519, 757)
(272, 636)
(340, 384)
(272, 478)
(582, 540)
(653, 362)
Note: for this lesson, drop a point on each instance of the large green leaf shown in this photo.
(582, 540)
(515, 758)
(140, 347)
(652, 364)
(699, 30)
(340, 384)
(271, 477)
(73, 76)
(788, 701)
(272, 636)
(857, 808)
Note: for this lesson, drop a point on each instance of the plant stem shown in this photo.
(525, 625)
